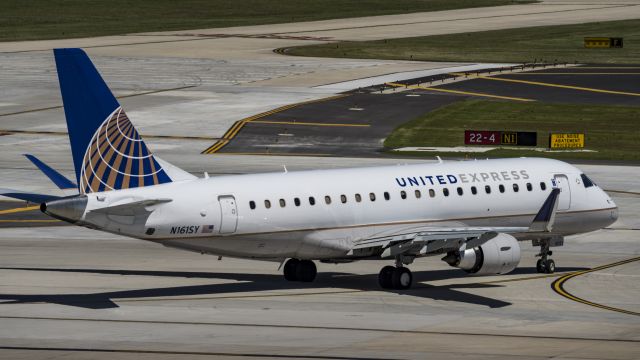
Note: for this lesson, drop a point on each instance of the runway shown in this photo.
(75, 293)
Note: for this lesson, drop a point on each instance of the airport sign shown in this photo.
(602, 42)
(566, 141)
(487, 137)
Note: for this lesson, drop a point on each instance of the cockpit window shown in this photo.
(586, 181)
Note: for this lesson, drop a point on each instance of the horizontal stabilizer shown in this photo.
(543, 222)
(60, 180)
(30, 197)
(130, 208)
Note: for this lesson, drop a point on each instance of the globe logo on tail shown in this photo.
(117, 158)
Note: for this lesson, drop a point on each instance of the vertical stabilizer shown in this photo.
(108, 153)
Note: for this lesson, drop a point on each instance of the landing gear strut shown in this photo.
(300, 270)
(545, 264)
(398, 277)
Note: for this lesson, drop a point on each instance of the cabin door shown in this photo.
(562, 183)
(228, 214)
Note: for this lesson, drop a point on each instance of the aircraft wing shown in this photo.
(442, 239)
(432, 240)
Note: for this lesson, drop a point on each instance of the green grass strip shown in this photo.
(53, 19)
(563, 43)
(612, 131)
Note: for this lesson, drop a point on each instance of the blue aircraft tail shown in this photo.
(108, 153)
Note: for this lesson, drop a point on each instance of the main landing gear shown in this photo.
(395, 277)
(300, 270)
(545, 264)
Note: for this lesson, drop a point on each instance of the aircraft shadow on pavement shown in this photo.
(263, 282)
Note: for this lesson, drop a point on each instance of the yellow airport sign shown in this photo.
(566, 141)
(602, 42)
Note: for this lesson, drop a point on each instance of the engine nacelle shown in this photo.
(499, 255)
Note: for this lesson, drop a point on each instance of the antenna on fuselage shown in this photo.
(285, 168)
(439, 159)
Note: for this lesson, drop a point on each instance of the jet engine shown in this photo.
(500, 255)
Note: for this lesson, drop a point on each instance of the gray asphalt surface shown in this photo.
(325, 128)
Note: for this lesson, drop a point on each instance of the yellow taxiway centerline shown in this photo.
(238, 125)
(29, 221)
(301, 123)
(572, 73)
(460, 92)
(558, 287)
(21, 209)
(558, 86)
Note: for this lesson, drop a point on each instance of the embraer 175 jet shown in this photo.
(471, 213)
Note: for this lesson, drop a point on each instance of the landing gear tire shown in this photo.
(397, 278)
(545, 264)
(401, 278)
(290, 273)
(300, 270)
(306, 271)
(550, 266)
(384, 277)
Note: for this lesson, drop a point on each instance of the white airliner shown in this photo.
(473, 213)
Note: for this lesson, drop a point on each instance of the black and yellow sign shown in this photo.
(566, 141)
(602, 42)
(509, 138)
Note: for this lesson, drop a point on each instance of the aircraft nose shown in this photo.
(609, 203)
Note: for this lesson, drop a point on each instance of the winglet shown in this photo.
(57, 178)
(543, 222)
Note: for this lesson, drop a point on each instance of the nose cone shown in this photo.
(68, 209)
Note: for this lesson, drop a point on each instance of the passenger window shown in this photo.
(282, 203)
(516, 188)
(487, 189)
(296, 201)
(252, 204)
(343, 199)
(372, 196)
(460, 191)
(543, 186)
(474, 190)
(267, 204)
(327, 199)
(445, 191)
(501, 188)
(418, 194)
(403, 194)
(529, 187)
(358, 198)
(432, 193)
(312, 200)
(386, 196)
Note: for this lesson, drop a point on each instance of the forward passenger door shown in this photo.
(561, 181)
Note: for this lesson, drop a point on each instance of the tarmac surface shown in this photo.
(356, 124)
(75, 293)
